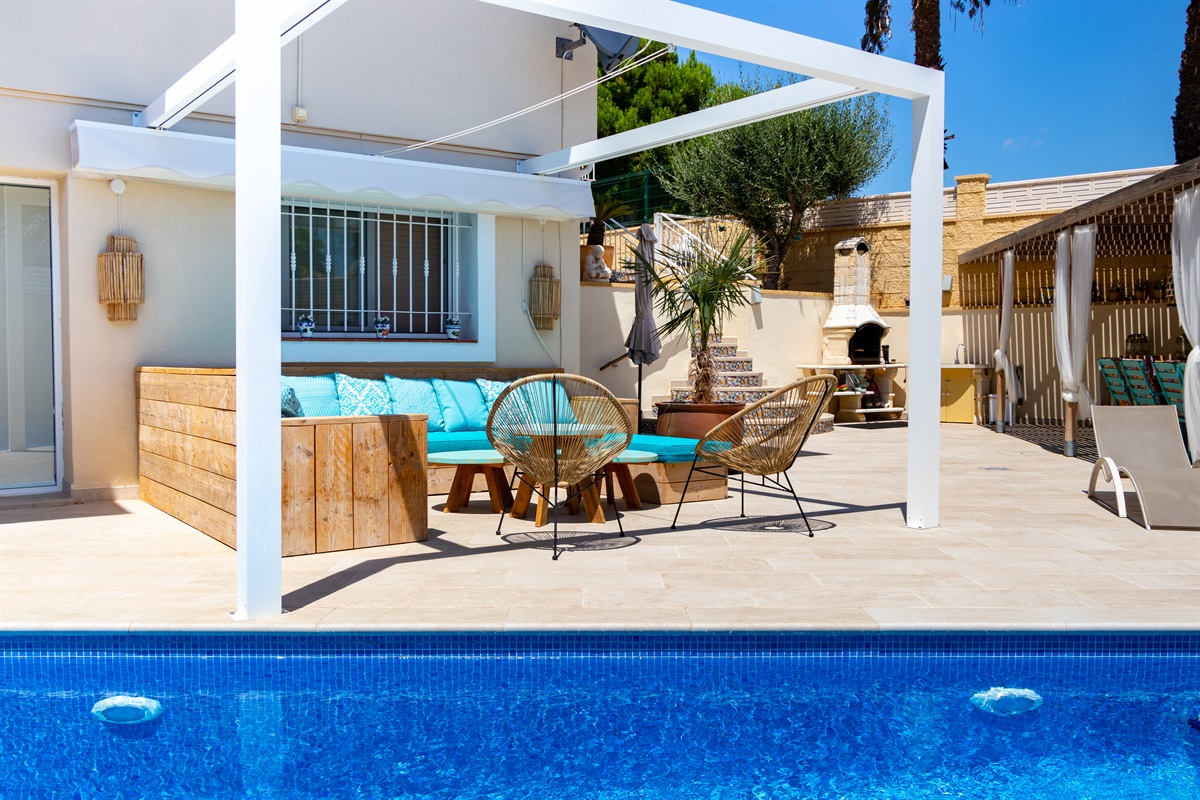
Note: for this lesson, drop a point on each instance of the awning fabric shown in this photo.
(104, 150)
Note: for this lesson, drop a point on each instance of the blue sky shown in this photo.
(1047, 88)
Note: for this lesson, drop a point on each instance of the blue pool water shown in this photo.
(602, 716)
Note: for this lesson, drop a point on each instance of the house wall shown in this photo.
(373, 76)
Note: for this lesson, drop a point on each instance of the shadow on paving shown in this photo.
(576, 541)
(1050, 438)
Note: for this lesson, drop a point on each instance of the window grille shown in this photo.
(347, 264)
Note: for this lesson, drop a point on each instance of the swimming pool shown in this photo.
(602, 715)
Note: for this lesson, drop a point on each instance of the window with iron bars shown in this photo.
(348, 265)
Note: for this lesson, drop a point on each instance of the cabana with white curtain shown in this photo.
(1159, 216)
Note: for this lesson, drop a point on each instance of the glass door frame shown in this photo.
(56, 332)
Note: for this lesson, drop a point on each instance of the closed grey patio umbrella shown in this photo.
(643, 342)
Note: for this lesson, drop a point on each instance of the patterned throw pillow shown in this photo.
(491, 390)
(359, 396)
(317, 394)
(289, 405)
(415, 396)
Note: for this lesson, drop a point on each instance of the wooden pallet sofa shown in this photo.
(348, 481)
(657, 483)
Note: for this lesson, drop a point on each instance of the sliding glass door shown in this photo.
(28, 423)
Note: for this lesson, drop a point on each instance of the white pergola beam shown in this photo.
(257, 249)
(774, 103)
(216, 70)
(739, 39)
(925, 314)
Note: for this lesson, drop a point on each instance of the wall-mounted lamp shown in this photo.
(545, 297)
(947, 283)
(755, 295)
(121, 274)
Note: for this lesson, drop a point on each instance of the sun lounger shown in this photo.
(1142, 446)
(1114, 379)
(1141, 386)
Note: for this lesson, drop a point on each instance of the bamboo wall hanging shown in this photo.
(122, 286)
(545, 297)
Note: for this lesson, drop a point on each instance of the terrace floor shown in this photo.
(1020, 547)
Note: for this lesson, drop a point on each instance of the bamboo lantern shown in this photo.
(121, 279)
(545, 297)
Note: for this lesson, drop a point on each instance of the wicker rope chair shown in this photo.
(558, 430)
(765, 437)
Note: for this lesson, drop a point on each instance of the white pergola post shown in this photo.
(925, 301)
(257, 346)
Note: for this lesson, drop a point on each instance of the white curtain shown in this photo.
(1011, 382)
(1185, 264)
(1074, 269)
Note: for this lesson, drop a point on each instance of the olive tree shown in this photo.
(769, 174)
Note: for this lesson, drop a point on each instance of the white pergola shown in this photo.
(836, 72)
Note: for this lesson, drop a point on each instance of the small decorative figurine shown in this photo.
(594, 268)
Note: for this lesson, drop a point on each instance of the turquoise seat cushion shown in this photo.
(669, 449)
(462, 405)
(359, 397)
(491, 390)
(289, 406)
(415, 396)
(318, 394)
(442, 442)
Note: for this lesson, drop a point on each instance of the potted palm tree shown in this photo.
(696, 291)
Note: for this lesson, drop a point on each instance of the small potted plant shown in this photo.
(383, 326)
(453, 327)
(606, 208)
(1140, 289)
(1116, 292)
(306, 325)
(1159, 291)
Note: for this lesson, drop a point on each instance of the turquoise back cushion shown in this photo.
(544, 404)
(317, 394)
(362, 397)
(462, 405)
(289, 406)
(413, 396)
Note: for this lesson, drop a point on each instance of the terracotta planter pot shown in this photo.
(693, 420)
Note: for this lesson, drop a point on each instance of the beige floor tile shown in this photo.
(567, 619)
(634, 599)
(1021, 549)
(738, 580)
(800, 619)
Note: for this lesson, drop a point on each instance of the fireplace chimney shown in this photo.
(854, 330)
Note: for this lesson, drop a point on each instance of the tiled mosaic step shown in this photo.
(741, 379)
(735, 364)
(726, 395)
(725, 351)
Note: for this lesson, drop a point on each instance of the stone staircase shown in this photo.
(737, 382)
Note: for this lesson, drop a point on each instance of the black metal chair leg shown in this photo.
(797, 499)
(685, 488)
(512, 484)
(556, 553)
(744, 494)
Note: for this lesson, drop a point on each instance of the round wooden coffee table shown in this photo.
(470, 463)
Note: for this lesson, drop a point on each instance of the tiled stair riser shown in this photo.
(740, 364)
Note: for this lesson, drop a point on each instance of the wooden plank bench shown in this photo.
(348, 482)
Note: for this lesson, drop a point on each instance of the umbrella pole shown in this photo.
(639, 425)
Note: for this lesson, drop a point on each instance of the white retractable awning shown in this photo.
(104, 150)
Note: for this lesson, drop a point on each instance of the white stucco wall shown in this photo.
(372, 75)
(186, 238)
